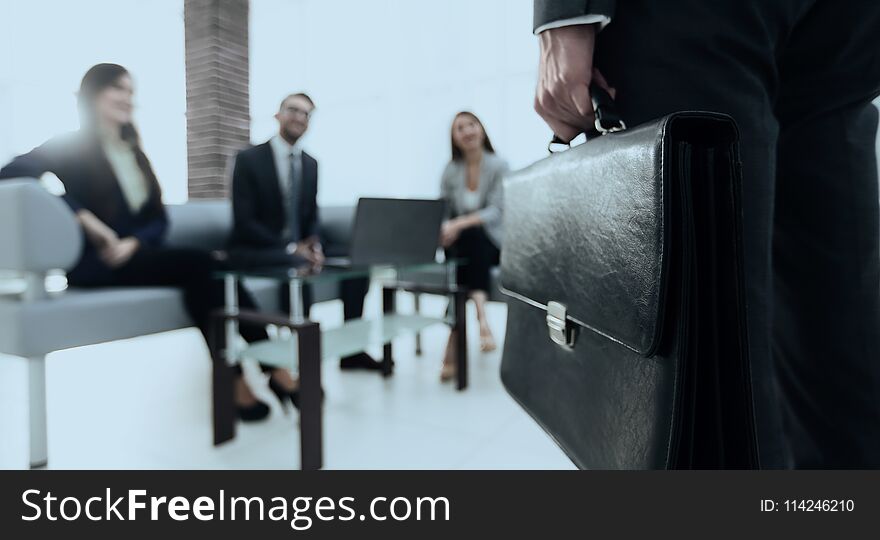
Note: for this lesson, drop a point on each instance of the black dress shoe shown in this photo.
(254, 413)
(360, 361)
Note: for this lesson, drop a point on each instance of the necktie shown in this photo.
(294, 195)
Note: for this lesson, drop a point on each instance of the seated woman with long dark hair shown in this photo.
(111, 187)
(472, 186)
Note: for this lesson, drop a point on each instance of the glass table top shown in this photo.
(352, 337)
(308, 274)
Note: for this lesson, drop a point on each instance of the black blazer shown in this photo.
(90, 183)
(257, 206)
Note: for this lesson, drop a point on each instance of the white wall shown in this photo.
(47, 45)
(387, 77)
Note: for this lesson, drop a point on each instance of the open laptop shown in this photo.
(393, 231)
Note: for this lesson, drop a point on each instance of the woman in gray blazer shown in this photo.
(472, 188)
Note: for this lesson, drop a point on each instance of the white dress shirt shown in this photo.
(583, 19)
(281, 151)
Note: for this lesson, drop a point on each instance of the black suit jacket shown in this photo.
(90, 183)
(257, 205)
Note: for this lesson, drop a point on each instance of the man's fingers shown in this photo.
(599, 79)
(561, 128)
(566, 102)
(565, 131)
(570, 106)
(580, 98)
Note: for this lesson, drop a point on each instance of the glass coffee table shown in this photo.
(307, 345)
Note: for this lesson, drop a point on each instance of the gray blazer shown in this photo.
(490, 188)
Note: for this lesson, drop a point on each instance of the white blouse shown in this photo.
(131, 179)
(470, 201)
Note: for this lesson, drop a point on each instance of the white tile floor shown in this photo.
(145, 404)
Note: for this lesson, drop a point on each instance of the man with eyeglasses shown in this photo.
(275, 208)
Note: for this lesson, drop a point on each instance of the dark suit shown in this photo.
(78, 160)
(798, 76)
(258, 206)
(260, 217)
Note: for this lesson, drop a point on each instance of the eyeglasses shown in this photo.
(296, 111)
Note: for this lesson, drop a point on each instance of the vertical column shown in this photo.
(217, 97)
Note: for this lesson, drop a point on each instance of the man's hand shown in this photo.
(318, 252)
(564, 76)
(309, 249)
(118, 254)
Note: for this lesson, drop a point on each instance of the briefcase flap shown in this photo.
(585, 234)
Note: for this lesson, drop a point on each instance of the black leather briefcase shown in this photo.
(626, 336)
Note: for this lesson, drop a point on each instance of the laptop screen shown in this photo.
(396, 231)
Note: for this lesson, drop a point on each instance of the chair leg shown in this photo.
(389, 305)
(39, 449)
(417, 304)
(461, 358)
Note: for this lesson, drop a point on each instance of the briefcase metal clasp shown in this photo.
(562, 332)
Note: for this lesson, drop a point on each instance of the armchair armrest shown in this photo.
(38, 231)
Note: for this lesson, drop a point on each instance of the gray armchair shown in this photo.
(39, 233)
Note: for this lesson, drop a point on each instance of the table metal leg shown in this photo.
(297, 307)
(388, 308)
(460, 299)
(311, 414)
(230, 296)
(222, 358)
(223, 381)
(417, 306)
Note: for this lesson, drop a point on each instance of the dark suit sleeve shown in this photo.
(548, 11)
(312, 227)
(34, 164)
(248, 230)
(152, 233)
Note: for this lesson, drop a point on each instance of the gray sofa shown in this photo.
(39, 234)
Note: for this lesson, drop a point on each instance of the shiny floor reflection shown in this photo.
(145, 403)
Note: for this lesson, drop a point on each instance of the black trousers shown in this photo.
(351, 292)
(798, 76)
(479, 254)
(189, 269)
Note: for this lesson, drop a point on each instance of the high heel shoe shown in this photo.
(253, 413)
(248, 413)
(284, 394)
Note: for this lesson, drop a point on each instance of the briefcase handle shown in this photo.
(608, 120)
